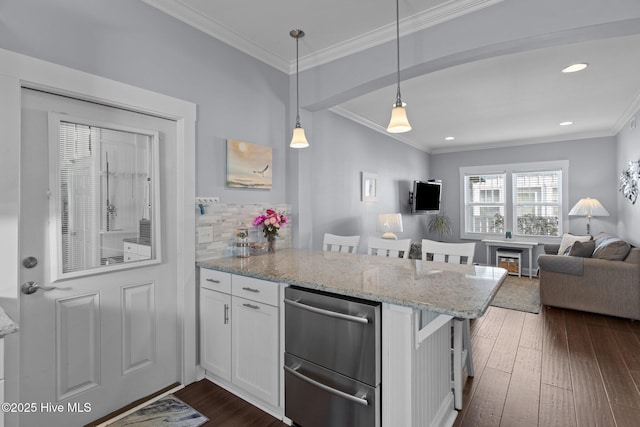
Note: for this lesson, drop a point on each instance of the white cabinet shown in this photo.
(136, 251)
(239, 333)
(215, 333)
(255, 348)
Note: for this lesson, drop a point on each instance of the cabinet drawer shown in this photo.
(144, 251)
(255, 289)
(215, 280)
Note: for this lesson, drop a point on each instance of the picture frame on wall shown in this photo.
(369, 187)
(249, 165)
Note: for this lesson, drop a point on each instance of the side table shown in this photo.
(508, 243)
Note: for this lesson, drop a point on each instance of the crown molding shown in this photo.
(348, 114)
(428, 18)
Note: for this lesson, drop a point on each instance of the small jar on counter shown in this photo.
(242, 241)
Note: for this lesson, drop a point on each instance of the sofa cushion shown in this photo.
(569, 239)
(611, 248)
(582, 249)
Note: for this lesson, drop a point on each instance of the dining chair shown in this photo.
(458, 253)
(389, 248)
(344, 244)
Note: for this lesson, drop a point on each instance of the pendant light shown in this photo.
(298, 140)
(399, 122)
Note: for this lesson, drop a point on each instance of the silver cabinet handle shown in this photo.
(329, 313)
(213, 280)
(256, 291)
(226, 314)
(31, 287)
(326, 388)
(255, 307)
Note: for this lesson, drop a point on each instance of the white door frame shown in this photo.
(17, 71)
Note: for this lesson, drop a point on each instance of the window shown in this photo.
(526, 199)
(104, 196)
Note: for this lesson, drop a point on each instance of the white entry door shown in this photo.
(104, 335)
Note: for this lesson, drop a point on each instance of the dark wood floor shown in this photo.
(224, 409)
(557, 368)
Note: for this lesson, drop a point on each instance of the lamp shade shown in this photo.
(299, 140)
(588, 207)
(399, 122)
(389, 224)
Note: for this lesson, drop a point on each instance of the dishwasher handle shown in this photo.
(352, 398)
(329, 313)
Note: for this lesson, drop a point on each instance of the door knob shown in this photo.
(31, 287)
(30, 262)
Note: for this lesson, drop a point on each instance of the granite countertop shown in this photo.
(458, 290)
(7, 326)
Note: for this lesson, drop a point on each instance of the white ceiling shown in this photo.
(512, 99)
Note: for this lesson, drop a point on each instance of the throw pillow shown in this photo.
(569, 239)
(582, 249)
(611, 248)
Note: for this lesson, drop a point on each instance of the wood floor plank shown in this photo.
(492, 323)
(591, 403)
(485, 409)
(532, 331)
(625, 416)
(481, 348)
(616, 377)
(504, 352)
(521, 406)
(556, 407)
(629, 343)
(555, 352)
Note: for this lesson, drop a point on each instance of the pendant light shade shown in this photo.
(299, 140)
(399, 122)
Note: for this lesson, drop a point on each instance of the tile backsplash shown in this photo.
(220, 221)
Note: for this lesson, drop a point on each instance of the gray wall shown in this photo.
(592, 173)
(341, 151)
(628, 214)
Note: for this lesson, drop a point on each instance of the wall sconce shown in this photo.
(588, 207)
(389, 224)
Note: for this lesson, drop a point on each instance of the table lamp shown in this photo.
(389, 224)
(588, 207)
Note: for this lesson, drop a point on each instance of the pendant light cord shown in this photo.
(398, 99)
(297, 87)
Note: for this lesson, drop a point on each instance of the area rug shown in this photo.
(168, 411)
(519, 293)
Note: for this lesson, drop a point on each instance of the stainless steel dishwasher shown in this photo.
(333, 360)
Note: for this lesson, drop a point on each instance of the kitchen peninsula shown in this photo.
(419, 301)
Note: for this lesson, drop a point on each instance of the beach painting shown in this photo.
(248, 165)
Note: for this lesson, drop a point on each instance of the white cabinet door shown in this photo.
(255, 348)
(215, 333)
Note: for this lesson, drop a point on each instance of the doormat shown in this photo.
(519, 293)
(168, 411)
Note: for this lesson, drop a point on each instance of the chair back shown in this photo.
(389, 248)
(454, 253)
(344, 244)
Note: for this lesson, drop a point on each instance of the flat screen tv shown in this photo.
(426, 197)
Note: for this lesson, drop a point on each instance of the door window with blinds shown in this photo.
(105, 197)
(525, 199)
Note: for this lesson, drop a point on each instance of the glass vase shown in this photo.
(271, 244)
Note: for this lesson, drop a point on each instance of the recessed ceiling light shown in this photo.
(575, 67)
(450, 138)
(566, 123)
